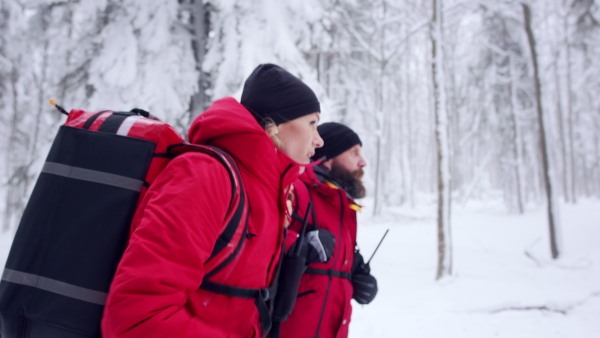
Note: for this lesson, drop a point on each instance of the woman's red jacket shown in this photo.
(155, 292)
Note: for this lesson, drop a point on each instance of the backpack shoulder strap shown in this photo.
(232, 237)
(230, 241)
(301, 199)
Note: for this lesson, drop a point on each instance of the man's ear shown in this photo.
(327, 164)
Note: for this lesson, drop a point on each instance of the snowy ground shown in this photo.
(504, 283)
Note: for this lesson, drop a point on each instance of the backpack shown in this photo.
(76, 224)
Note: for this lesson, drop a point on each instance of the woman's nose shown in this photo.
(318, 141)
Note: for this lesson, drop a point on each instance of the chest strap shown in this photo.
(329, 272)
(261, 297)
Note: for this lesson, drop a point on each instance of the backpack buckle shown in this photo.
(265, 293)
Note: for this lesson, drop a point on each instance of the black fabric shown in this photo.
(91, 120)
(292, 268)
(275, 330)
(113, 122)
(34, 329)
(141, 112)
(272, 92)
(69, 234)
(337, 138)
(329, 272)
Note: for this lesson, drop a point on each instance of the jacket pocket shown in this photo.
(308, 292)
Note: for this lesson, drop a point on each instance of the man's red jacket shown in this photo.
(323, 302)
(155, 290)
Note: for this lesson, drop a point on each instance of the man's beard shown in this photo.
(350, 181)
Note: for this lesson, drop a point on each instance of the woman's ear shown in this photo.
(272, 130)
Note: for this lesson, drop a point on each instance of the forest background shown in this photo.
(456, 101)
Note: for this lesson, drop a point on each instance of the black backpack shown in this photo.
(76, 225)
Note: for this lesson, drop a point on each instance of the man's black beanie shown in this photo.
(271, 91)
(337, 138)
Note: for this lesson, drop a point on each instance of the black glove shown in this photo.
(317, 246)
(365, 288)
(364, 284)
(358, 265)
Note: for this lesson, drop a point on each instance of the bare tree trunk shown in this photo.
(41, 99)
(15, 160)
(378, 203)
(199, 26)
(571, 161)
(561, 131)
(11, 145)
(596, 174)
(407, 130)
(554, 247)
(517, 139)
(441, 122)
(382, 128)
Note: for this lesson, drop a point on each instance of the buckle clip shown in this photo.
(265, 293)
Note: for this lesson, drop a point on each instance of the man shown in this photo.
(323, 306)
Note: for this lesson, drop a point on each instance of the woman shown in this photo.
(271, 133)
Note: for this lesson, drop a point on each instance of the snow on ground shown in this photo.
(504, 282)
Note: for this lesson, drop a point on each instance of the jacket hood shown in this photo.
(228, 125)
(223, 119)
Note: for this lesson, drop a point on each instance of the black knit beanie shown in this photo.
(337, 138)
(272, 92)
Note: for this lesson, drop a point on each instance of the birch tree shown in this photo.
(441, 133)
(548, 183)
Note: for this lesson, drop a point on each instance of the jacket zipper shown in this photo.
(333, 265)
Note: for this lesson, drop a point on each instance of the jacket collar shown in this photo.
(317, 175)
(325, 177)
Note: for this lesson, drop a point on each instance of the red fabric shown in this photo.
(319, 293)
(155, 290)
